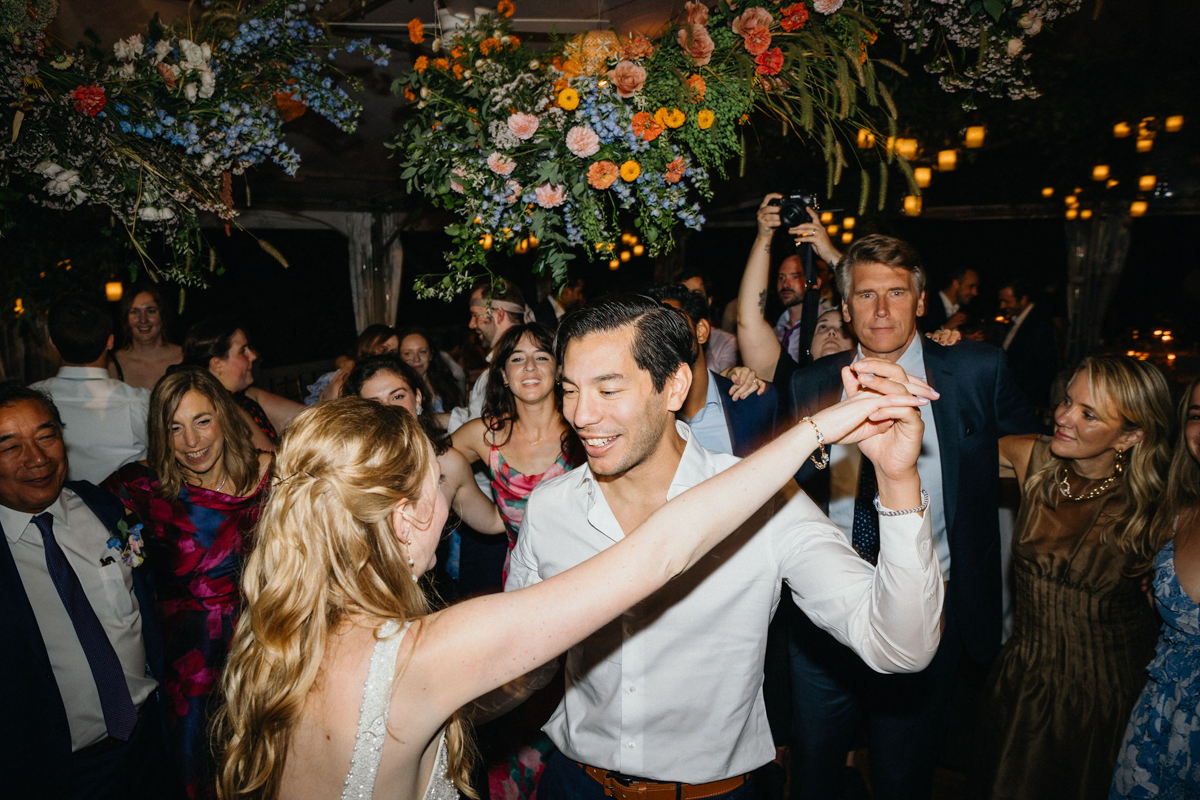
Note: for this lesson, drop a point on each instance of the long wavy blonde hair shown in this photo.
(1138, 393)
(1183, 480)
(326, 549)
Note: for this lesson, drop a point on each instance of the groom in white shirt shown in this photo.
(666, 701)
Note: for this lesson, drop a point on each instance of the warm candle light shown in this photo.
(113, 290)
(1121, 130)
(912, 205)
(1071, 200)
(974, 136)
(1174, 123)
(831, 229)
(826, 217)
(1145, 145)
(614, 264)
(906, 149)
(847, 237)
(1110, 183)
(1072, 213)
(1100, 172)
(626, 255)
(1048, 191)
(1085, 214)
(1146, 183)
(848, 223)
(1138, 208)
(923, 176)
(866, 139)
(638, 249)
(947, 160)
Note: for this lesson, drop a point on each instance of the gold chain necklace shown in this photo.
(1064, 486)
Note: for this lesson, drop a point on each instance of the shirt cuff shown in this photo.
(907, 541)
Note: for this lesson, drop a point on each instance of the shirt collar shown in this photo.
(912, 360)
(712, 398)
(558, 309)
(14, 522)
(1017, 320)
(83, 373)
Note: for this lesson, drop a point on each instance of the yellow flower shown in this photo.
(675, 118)
(630, 170)
(660, 117)
(705, 119)
(569, 99)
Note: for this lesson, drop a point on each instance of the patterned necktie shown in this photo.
(120, 716)
(865, 536)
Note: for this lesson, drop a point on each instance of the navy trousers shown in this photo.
(566, 780)
(833, 692)
(132, 770)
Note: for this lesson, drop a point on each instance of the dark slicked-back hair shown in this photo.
(209, 339)
(691, 303)
(79, 325)
(13, 392)
(880, 249)
(662, 339)
(1020, 288)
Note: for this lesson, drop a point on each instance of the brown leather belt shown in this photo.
(626, 788)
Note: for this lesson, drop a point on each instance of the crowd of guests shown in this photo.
(755, 553)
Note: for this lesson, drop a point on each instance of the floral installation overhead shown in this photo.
(154, 129)
(552, 149)
(976, 45)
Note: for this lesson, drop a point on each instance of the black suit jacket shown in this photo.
(979, 404)
(751, 420)
(935, 313)
(544, 313)
(35, 739)
(1033, 357)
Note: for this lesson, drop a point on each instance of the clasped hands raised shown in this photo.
(880, 415)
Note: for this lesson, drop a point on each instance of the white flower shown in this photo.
(148, 213)
(166, 213)
(190, 91)
(47, 169)
(129, 49)
(206, 51)
(437, 45)
(479, 62)
(127, 69)
(208, 83)
(534, 64)
(162, 49)
(826, 6)
(62, 182)
(1015, 46)
(1031, 22)
(208, 160)
(79, 195)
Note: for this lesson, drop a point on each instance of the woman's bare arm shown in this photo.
(472, 506)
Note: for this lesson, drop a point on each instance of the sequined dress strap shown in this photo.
(372, 718)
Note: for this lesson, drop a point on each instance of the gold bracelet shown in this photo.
(824, 462)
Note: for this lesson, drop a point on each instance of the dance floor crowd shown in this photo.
(638, 555)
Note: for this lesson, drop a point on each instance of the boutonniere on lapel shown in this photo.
(127, 541)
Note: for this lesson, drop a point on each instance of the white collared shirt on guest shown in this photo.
(105, 421)
(1016, 325)
(949, 305)
(109, 589)
(845, 461)
(672, 689)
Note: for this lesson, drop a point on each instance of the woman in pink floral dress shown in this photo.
(199, 501)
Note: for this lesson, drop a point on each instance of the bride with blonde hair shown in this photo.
(333, 602)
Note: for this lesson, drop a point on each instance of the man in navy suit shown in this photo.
(719, 423)
(882, 282)
(82, 658)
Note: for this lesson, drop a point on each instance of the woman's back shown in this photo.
(323, 742)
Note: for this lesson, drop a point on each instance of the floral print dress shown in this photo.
(195, 546)
(1156, 758)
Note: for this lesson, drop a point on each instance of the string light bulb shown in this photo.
(974, 136)
(1147, 182)
(923, 176)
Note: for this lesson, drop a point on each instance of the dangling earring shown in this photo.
(1119, 461)
(411, 562)
(419, 407)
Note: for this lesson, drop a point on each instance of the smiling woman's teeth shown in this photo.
(198, 455)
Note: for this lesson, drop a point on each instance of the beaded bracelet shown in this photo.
(824, 462)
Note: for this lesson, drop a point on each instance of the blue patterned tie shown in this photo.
(120, 716)
(865, 536)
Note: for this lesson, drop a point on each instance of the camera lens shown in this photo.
(791, 214)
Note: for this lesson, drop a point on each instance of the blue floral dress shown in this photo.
(1155, 759)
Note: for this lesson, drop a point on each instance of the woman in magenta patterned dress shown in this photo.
(199, 502)
(524, 440)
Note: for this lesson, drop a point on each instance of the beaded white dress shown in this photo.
(372, 725)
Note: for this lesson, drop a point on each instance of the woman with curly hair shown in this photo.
(1065, 682)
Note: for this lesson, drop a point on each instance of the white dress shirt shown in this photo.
(1016, 325)
(949, 305)
(105, 421)
(672, 689)
(721, 352)
(845, 460)
(109, 589)
(474, 409)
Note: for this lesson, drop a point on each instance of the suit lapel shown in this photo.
(946, 416)
(16, 604)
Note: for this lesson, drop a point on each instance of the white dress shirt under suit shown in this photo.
(105, 421)
(672, 689)
(109, 589)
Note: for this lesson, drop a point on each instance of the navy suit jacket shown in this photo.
(935, 313)
(35, 738)
(1033, 357)
(751, 420)
(979, 404)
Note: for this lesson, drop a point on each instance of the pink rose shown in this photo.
(583, 141)
(696, 42)
(628, 78)
(514, 192)
(697, 13)
(455, 185)
(752, 18)
(523, 126)
(550, 195)
(826, 6)
(500, 164)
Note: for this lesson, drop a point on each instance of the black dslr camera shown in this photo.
(791, 207)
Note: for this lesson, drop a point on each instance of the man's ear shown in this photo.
(109, 346)
(921, 305)
(677, 386)
(703, 330)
